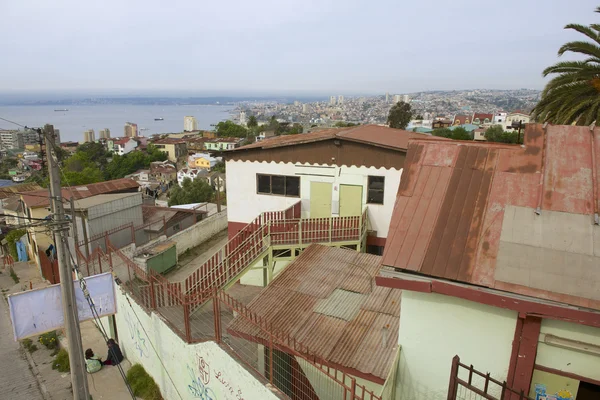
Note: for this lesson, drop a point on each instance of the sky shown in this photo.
(230, 47)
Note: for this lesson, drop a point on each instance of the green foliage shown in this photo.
(142, 384)
(13, 275)
(286, 129)
(419, 117)
(5, 165)
(252, 122)
(219, 167)
(342, 124)
(456, 134)
(497, 134)
(400, 115)
(11, 238)
(61, 361)
(49, 339)
(29, 346)
(196, 191)
(573, 95)
(133, 161)
(231, 129)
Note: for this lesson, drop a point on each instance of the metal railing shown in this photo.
(476, 385)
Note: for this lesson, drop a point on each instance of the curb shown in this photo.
(36, 374)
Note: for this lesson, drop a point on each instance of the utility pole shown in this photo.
(78, 372)
(75, 233)
(218, 193)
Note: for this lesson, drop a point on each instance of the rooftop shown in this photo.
(8, 191)
(375, 135)
(170, 141)
(327, 300)
(92, 201)
(40, 198)
(505, 217)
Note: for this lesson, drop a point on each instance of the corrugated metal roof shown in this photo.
(8, 191)
(375, 135)
(449, 211)
(40, 198)
(327, 300)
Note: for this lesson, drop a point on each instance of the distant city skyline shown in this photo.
(315, 47)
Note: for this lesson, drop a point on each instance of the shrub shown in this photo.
(29, 346)
(142, 384)
(11, 238)
(49, 339)
(61, 361)
(13, 275)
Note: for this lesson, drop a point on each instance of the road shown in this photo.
(16, 379)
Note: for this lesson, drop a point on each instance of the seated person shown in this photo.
(114, 356)
(92, 363)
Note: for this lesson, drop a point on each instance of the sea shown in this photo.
(77, 119)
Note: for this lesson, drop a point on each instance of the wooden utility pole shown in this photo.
(77, 362)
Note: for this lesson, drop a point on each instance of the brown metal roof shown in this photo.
(369, 134)
(8, 191)
(450, 208)
(304, 302)
(40, 198)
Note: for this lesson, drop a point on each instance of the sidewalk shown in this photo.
(104, 384)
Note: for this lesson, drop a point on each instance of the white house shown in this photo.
(335, 172)
(497, 254)
(516, 117)
(191, 173)
(500, 118)
(124, 145)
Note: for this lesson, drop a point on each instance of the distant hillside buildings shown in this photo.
(131, 129)
(190, 124)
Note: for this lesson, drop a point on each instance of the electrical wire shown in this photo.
(12, 122)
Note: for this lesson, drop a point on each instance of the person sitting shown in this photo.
(92, 363)
(114, 356)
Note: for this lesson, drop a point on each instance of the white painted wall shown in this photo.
(434, 328)
(200, 232)
(202, 370)
(244, 204)
(569, 360)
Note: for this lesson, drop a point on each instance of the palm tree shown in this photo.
(573, 94)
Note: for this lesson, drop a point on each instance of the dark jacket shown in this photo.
(114, 354)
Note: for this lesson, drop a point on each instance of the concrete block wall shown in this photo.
(200, 232)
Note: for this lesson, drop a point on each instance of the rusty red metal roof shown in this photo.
(375, 135)
(40, 198)
(450, 209)
(327, 300)
(8, 191)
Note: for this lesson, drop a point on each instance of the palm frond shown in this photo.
(586, 30)
(582, 47)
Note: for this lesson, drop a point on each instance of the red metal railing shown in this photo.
(477, 383)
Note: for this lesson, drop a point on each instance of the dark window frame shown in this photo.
(286, 179)
(369, 190)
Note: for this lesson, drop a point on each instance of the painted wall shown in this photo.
(245, 204)
(199, 371)
(569, 359)
(200, 232)
(434, 328)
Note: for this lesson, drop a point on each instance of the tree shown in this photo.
(400, 115)
(459, 133)
(419, 117)
(252, 122)
(219, 167)
(497, 134)
(342, 124)
(231, 129)
(573, 95)
(196, 191)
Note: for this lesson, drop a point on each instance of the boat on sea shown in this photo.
(144, 129)
(19, 178)
(62, 109)
(159, 119)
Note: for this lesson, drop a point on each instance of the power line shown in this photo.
(13, 122)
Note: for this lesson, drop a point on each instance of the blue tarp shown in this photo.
(21, 251)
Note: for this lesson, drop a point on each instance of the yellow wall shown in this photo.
(170, 150)
(552, 384)
(202, 163)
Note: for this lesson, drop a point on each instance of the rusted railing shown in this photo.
(479, 384)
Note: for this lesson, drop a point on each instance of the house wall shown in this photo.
(434, 328)
(200, 232)
(244, 203)
(201, 370)
(569, 360)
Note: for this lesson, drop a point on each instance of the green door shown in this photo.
(320, 199)
(350, 200)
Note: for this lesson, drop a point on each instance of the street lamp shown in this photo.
(518, 125)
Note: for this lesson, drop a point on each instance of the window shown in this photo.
(279, 185)
(375, 189)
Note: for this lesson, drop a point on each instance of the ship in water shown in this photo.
(159, 119)
(62, 109)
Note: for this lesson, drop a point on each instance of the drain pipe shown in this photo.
(594, 175)
(538, 210)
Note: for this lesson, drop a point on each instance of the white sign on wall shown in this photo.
(37, 311)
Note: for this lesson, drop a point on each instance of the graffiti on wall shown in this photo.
(198, 386)
(540, 393)
(139, 341)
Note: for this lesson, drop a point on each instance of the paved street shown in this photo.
(16, 380)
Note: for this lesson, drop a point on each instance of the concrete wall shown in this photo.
(244, 204)
(203, 370)
(434, 328)
(200, 232)
(569, 359)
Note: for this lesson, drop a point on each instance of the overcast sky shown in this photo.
(282, 46)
